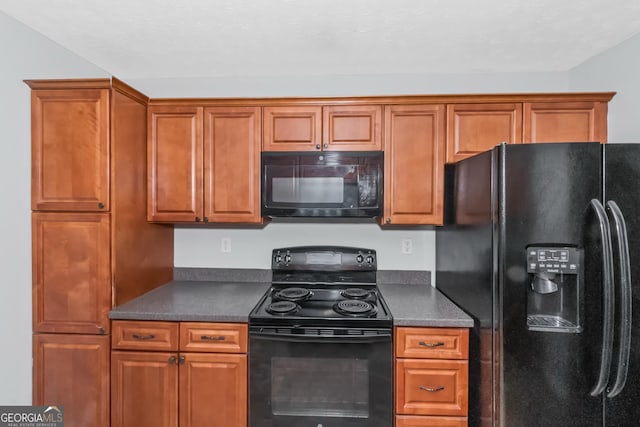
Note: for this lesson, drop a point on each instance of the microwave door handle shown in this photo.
(609, 302)
(626, 302)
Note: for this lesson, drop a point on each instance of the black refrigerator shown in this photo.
(541, 247)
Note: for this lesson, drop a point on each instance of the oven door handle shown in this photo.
(302, 338)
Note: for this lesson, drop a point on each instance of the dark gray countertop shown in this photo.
(422, 305)
(194, 301)
(220, 296)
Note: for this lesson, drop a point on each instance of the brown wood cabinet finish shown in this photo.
(89, 154)
(73, 370)
(431, 376)
(565, 121)
(144, 389)
(71, 272)
(473, 128)
(175, 164)
(70, 150)
(414, 164)
(206, 380)
(352, 128)
(232, 144)
(213, 390)
(292, 128)
(204, 164)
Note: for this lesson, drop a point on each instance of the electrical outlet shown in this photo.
(406, 246)
(225, 244)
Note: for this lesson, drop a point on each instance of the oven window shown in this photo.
(306, 386)
(307, 190)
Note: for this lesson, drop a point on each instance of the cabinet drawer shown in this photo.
(213, 337)
(409, 421)
(432, 387)
(143, 335)
(432, 343)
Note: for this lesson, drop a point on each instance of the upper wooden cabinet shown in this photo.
(175, 168)
(473, 128)
(414, 164)
(70, 150)
(329, 127)
(584, 121)
(204, 164)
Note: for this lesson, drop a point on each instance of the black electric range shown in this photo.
(330, 286)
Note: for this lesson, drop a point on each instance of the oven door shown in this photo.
(327, 184)
(310, 377)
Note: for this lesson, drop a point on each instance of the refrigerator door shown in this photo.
(622, 177)
(546, 373)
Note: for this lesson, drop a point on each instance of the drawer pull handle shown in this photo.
(210, 338)
(432, 389)
(431, 344)
(143, 337)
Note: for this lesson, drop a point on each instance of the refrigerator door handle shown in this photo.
(609, 302)
(626, 303)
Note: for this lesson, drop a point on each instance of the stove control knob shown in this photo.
(359, 258)
(370, 259)
(277, 258)
(287, 259)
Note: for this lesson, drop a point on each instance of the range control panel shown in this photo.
(560, 260)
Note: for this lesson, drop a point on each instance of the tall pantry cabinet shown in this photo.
(92, 247)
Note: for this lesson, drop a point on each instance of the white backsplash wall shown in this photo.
(251, 248)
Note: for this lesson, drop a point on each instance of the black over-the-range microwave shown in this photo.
(322, 184)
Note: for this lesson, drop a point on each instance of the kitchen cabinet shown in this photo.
(73, 370)
(204, 164)
(578, 121)
(92, 247)
(432, 376)
(326, 127)
(414, 164)
(473, 128)
(191, 374)
(70, 149)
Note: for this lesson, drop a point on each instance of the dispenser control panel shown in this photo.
(553, 259)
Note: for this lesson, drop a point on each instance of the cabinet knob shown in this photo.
(172, 360)
(326, 145)
(100, 205)
(317, 146)
(387, 221)
(206, 219)
(197, 219)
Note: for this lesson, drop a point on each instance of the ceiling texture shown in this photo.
(217, 38)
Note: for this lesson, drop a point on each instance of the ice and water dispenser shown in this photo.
(555, 288)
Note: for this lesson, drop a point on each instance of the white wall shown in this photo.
(25, 55)
(617, 69)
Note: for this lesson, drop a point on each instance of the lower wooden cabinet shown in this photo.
(431, 377)
(73, 371)
(201, 387)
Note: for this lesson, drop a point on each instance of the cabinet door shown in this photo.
(73, 371)
(71, 272)
(213, 390)
(232, 164)
(352, 127)
(565, 122)
(174, 156)
(474, 128)
(144, 389)
(414, 164)
(292, 128)
(70, 150)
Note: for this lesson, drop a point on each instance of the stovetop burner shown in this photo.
(293, 294)
(356, 293)
(355, 308)
(282, 307)
(322, 286)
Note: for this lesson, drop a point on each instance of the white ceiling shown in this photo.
(213, 38)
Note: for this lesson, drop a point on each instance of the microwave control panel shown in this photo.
(553, 259)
